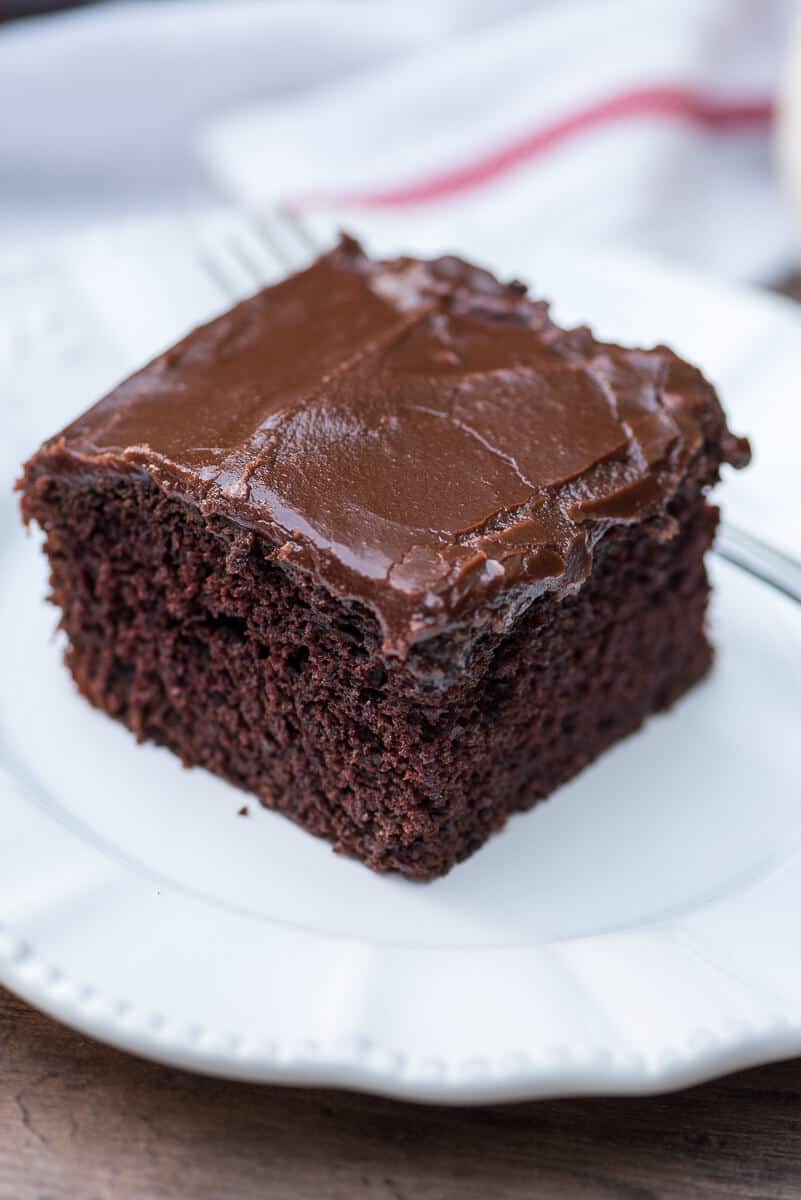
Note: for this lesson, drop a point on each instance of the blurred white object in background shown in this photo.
(789, 123)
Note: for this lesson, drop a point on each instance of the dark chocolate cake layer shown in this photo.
(387, 548)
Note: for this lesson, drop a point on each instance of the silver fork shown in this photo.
(243, 253)
(246, 253)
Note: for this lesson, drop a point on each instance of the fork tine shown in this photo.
(242, 253)
(238, 261)
(285, 238)
(260, 268)
(266, 231)
(219, 277)
(294, 222)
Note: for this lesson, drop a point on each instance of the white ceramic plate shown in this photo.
(638, 932)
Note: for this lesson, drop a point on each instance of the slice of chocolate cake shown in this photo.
(388, 549)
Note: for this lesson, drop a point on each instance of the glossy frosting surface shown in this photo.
(416, 434)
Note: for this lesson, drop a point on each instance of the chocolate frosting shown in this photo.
(419, 436)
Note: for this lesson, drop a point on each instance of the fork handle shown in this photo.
(758, 558)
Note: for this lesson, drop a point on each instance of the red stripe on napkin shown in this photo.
(671, 102)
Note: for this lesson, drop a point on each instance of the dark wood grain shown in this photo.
(79, 1121)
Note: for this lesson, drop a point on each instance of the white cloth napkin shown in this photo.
(648, 124)
(101, 108)
(459, 122)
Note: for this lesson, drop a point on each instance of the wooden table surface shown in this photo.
(79, 1121)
